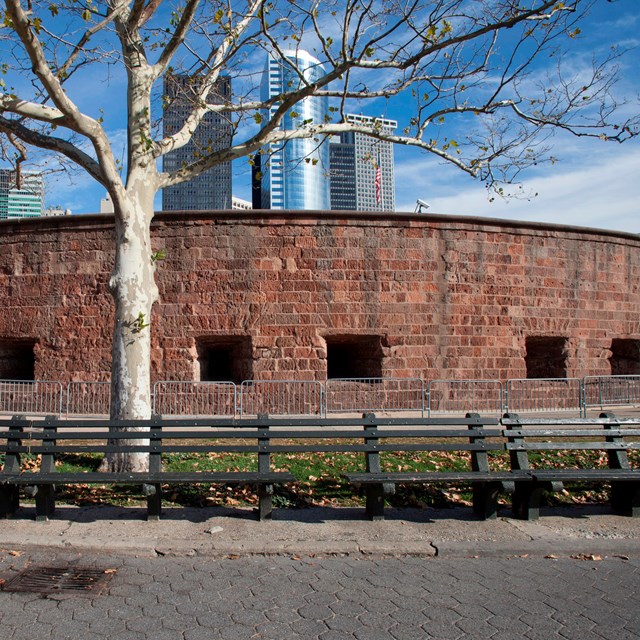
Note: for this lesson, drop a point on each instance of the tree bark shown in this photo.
(134, 291)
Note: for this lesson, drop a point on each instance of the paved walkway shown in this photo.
(326, 574)
(330, 598)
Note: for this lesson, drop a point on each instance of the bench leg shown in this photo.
(9, 500)
(526, 501)
(45, 502)
(485, 499)
(625, 498)
(154, 500)
(265, 502)
(375, 501)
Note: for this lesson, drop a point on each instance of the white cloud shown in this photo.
(603, 193)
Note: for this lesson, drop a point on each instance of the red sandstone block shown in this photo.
(305, 241)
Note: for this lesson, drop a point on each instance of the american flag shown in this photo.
(378, 182)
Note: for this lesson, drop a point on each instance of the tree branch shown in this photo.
(63, 71)
(200, 108)
(73, 119)
(177, 37)
(59, 145)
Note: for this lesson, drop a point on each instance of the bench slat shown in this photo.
(571, 446)
(435, 476)
(586, 474)
(241, 432)
(222, 477)
(565, 422)
(578, 433)
(62, 449)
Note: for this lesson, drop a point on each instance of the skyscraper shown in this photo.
(361, 168)
(342, 162)
(211, 189)
(295, 173)
(24, 200)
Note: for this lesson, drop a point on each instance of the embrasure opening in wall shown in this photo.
(546, 357)
(625, 357)
(225, 358)
(350, 356)
(17, 359)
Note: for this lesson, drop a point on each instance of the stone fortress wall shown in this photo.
(306, 295)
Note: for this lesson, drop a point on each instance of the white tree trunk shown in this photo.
(134, 291)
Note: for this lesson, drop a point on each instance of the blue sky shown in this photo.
(593, 183)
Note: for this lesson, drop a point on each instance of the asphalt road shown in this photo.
(368, 598)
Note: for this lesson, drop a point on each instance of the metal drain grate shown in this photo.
(56, 579)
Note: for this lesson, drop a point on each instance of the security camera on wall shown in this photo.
(421, 206)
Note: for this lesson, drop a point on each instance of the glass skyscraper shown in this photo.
(295, 173)
(21, 201)
(211, 189)
(362, 170)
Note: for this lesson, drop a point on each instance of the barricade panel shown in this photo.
(611, 391)
(534, 395)
(194, 399)
(31, 397)
(281, 398)
(460, 396)
(89, 399)
(360, 395)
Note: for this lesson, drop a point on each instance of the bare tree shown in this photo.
(471, 63)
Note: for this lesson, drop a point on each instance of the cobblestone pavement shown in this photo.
(329, 598)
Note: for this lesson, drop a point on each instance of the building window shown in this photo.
(225, 359)
(546, 357)
(17, 360)
(350, 356)
(625, 357)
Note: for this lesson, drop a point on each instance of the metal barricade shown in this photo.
(461, 396)
(281, 398)
(611, 391)
(194, 399)
(31, 397)
(339, 395)
(89, 399)
(536, 395)
(358, 395)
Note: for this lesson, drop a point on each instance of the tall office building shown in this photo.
(295, 174)
(361, 168)
(211, 189)
(24, 200)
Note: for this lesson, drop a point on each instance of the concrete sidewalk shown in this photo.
(218, 532)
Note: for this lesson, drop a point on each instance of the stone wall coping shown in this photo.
(93, 220)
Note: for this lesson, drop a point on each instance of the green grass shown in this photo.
(319, 478)
(79, 463)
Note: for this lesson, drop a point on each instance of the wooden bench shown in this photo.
(52, 438)
(473, 436)
(607, 434)
(263, 436)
